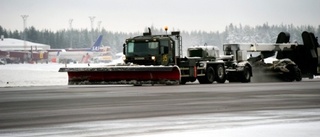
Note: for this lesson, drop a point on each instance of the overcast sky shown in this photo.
(135, 15)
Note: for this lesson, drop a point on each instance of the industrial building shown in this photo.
(20, 51)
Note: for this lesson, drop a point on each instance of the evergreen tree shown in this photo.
(232, 34)
(32, 34)
(3, 32)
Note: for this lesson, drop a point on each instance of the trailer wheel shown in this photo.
(293, 74)
(208, 78)
(245, 78)
(220, 74)
(298, 74)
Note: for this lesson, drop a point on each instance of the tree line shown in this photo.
(233, 33)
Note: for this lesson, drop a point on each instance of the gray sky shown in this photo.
(135, 15)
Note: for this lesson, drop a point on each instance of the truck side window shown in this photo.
(153, 45)
(165, 45)
(130, 47)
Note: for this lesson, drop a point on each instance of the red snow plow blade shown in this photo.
(136, 75)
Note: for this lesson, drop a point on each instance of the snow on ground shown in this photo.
(16, 75)
(19, 75)
(268, 123)
(310, 129)
(294, 123)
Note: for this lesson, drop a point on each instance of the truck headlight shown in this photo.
(153, 58)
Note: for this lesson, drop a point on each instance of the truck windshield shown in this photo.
(143, 48)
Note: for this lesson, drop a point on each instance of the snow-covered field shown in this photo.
(13, 75)
(18, 75)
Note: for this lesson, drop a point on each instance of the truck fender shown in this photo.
(241, 65)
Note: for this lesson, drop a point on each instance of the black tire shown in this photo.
(291, 75)
(310, 76)
(185, 80)
(245, 76)
(220, 74)
(182, 82)
(193, 79)
(298, 73)
(232, 80)
(208, 78)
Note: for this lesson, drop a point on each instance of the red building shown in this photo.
(19, 51)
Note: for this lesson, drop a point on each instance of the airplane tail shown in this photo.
(96, 46)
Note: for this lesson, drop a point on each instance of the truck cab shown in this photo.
(150, 50)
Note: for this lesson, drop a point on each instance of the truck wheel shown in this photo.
(208, 78)
(193, 79)
(245, 78)
(298, 74)
(182, 82)
(291, 75)
(220, 74)
(232, 80)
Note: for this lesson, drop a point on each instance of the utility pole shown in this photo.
(99, 24)
(92, 20)
(70, 26)
(24, 17)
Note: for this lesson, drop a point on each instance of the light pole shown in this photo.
(24, 17)
(99, 24)
(70, 26)
(92, 20)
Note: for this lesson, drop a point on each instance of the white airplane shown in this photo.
(79, 55)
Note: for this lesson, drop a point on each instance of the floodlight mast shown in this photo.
(24, 17)
(99, 24)
(92, 20)
(70, 26)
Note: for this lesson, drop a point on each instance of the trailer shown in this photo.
(294, 61)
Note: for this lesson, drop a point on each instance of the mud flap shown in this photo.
(309, 62)
(123, 75)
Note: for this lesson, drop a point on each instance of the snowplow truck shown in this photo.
(155, 59)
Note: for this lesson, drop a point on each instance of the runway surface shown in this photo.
(116, 110)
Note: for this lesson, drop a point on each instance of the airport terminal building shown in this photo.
(20, 51)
